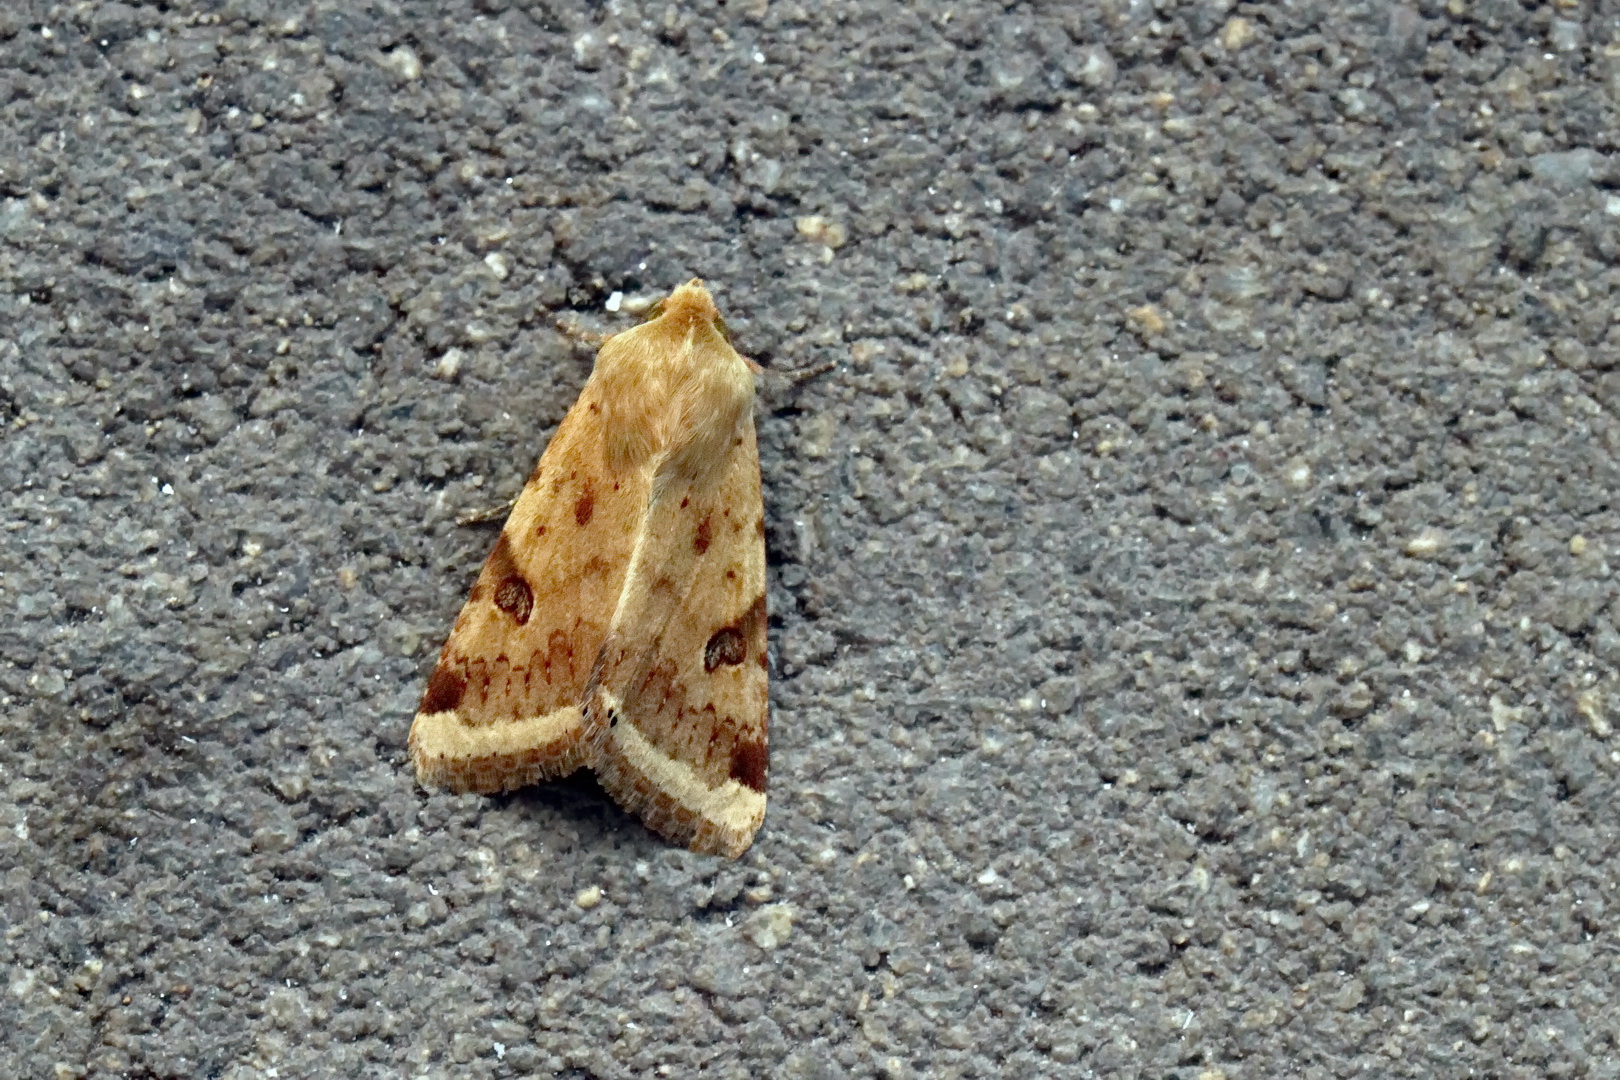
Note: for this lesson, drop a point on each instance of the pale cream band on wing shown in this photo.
(730, 806)
(443, 734)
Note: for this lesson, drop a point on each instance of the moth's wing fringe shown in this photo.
(486, 770)
(664, 815)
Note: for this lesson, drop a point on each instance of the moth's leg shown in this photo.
(808, 372)
(778, 388)
(571, 329)
(484, 515)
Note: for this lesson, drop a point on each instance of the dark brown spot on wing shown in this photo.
(730, 644)
(749, 761)
(514, 597)
(444, 690)
(504, 583)
(726, 646)
(585, 507)
(759, 527)
(541, 531)
(705, 535)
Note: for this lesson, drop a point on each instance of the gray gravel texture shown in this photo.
(1193, 618)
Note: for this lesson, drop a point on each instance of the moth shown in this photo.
(619, 622)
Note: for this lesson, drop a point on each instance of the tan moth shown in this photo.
(619, 623)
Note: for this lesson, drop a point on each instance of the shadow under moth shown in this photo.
(619, 623)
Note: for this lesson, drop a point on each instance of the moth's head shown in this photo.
(690, 303)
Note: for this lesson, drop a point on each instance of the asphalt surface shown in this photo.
(1193, 614)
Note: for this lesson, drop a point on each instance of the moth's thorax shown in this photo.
(673, 389)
